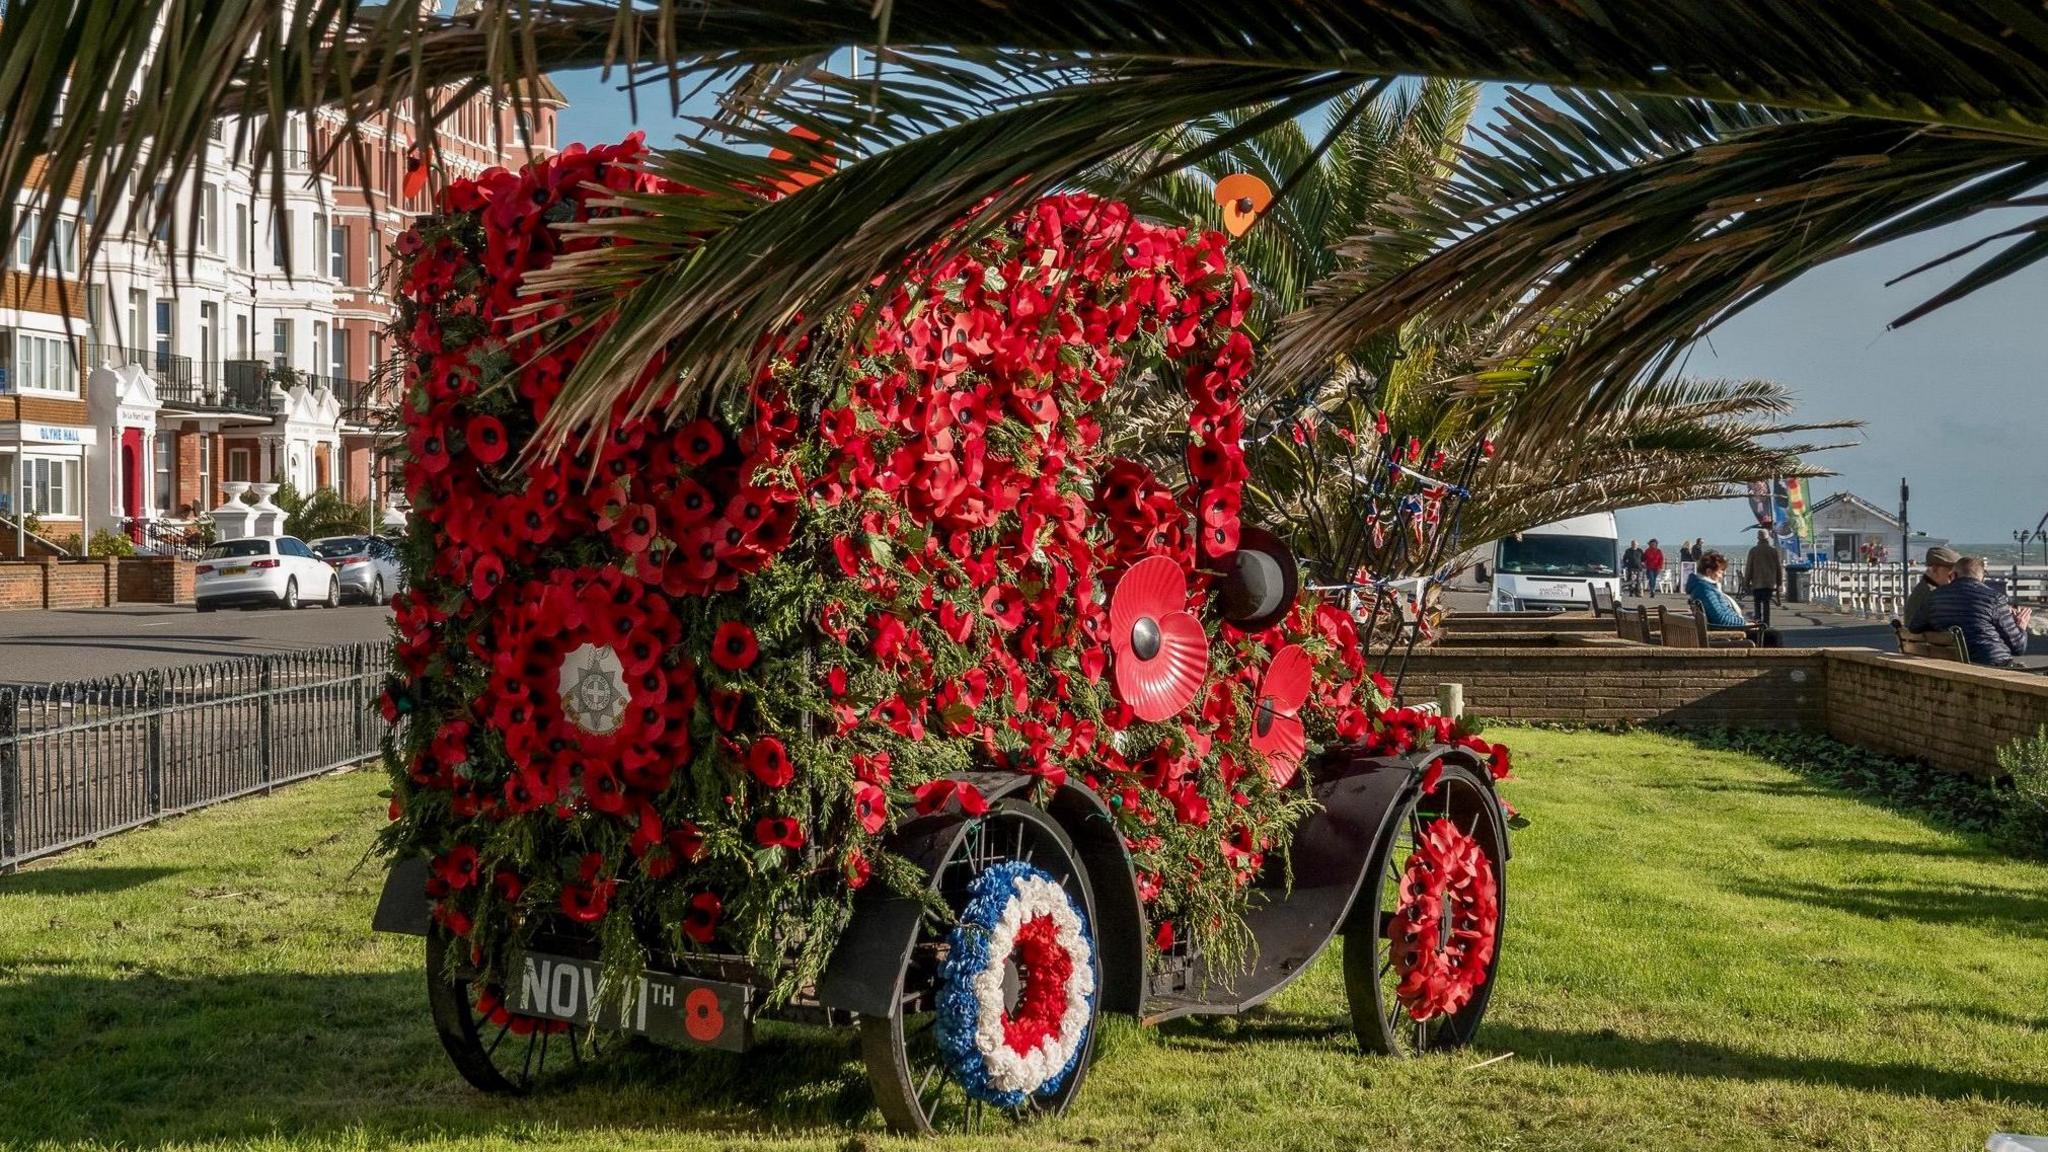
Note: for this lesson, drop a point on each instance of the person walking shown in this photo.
(1653, 564)
(1763, 573)
(1632, 569)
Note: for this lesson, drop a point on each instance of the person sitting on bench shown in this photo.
(1723, 614)
(1993, 630)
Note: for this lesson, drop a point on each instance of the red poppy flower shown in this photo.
(486, 438)
(700, 916)
(1004, 605)
(934, 796)
(725, 708)
(698, 442)
(733, 647)
(870, 807)
(635, 528)
(601, 786)
(1276, 723)
(457, 867)
(768, 762)
(779, 832)
(585, 902)
(858, 870)
(485, 575)
(507, 885)
(1162, 652)
(687, 842)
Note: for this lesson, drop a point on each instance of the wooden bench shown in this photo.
(1633, 624)
(1936, 644)
(1603, 601)
(1690, 630)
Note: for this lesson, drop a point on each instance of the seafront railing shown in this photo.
(1880, 589)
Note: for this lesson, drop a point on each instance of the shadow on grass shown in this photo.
(1753, 787)
(2009, 911)
(1610, 1052)
(79, 880)
(1864, 847)
(151, 1061)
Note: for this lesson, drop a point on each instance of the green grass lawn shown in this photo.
(1702, 951)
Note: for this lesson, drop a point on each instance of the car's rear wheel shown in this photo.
(291, 593)
(333, 593)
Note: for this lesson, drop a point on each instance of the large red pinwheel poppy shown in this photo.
(1162, 653)
(1276, 723)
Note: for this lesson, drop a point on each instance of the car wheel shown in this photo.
(377, 592)
(291, 593)
(333, 593)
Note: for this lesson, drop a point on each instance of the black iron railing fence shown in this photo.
(82, 759)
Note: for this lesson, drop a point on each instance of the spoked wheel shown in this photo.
(1020, 964)
(377, 592)
(291, 593)
(494, 1050)
(1424, 939)
(333, 595)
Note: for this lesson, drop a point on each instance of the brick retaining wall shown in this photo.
(156, 580)
(51, 583)
(1694, 687)
(1950, 715)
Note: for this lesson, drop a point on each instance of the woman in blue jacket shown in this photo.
(1723, 613)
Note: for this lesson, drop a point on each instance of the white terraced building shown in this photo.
(129, 396)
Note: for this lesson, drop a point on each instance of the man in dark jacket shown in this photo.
(1762, 573)
(1993, 632)
(1941, 568)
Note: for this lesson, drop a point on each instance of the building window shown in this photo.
(280, 228)
(337, 252)
(138, 305)
(319, 234)
(319, 342)
(241, 337)
(209, 217)
(164, 454)
(337, 353)
(160, 206)
(209, 332)
(43, 363)
(281, 343)
(204, 499)
(49, 487)
(164, 321)
(238, 464)
(245, 235)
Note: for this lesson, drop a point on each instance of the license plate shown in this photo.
(661, 1006)
(242, 571)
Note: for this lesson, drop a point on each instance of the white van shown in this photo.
(1556, 567)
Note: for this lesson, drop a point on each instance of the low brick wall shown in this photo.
(1634, 684)
(1950, 715)
(156, 580)
(51, 583)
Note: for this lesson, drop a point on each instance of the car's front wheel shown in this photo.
(377, 592)
(291, 593)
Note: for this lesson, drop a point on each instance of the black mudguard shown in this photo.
(403, 906)
(869, 960)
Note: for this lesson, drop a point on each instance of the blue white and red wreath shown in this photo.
(1000, 1055)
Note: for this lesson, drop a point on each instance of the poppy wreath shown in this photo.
(1443, 927)
(689, 673)
(1017, 915)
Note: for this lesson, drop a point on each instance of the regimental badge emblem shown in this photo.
(593, 688)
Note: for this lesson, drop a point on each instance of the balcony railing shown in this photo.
(181, 382)
(363, 403)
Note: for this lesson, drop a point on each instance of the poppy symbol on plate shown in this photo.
(1243, 196)
(702, 1018)
(1276, 723)
(1162, 653)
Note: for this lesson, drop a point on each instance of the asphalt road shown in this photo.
(39, 647)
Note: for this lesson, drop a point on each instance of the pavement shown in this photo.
(1801, 625)
(80, 644)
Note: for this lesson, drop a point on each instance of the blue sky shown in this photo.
(1954, 401)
